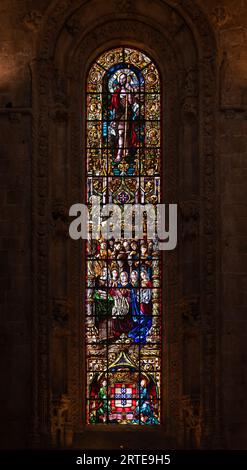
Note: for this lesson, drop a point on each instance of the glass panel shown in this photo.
(123, 327)
(95, 79)
(111, 57)
(135, 57)
(151, 77)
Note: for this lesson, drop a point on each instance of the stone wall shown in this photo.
(229, 19)
(20, 26)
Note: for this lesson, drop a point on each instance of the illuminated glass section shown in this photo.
(123, 292)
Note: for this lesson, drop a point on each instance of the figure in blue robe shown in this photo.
(145, 409)
(141, 315)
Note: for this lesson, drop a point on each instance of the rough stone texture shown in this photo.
(229, 19)
(15, 262)
(20, 25)
(16, 52)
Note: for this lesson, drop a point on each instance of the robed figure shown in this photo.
(124, 109)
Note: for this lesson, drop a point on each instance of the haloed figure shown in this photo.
(145, 407)
(99, 415)
(124, 106)
(134, 276)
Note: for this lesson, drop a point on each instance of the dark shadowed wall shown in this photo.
(21, 23)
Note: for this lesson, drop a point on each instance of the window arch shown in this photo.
(123, 314)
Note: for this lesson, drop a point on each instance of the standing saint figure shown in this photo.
(141, 307)
(145, 408)
(124, 106)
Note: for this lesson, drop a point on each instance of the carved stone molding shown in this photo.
(50, 94)
(60, 314)
(123, 5)
(190, 85)
(15, 118)
(190, 218)
(236, 112)
(190, 310)
(61, 431)
(59, 87)
(220, 16)
(192, 420)
(59, 114)
(73, 26)
(60, 219)
(189, 110)
(189, 93)
(33, 20)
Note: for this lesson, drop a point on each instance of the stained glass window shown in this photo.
(123, 312)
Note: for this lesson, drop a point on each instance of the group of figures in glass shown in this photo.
(123, 319)
(125, 278)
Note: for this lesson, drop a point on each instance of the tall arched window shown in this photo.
(123, 315)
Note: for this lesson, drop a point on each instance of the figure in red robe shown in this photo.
(124, 104)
